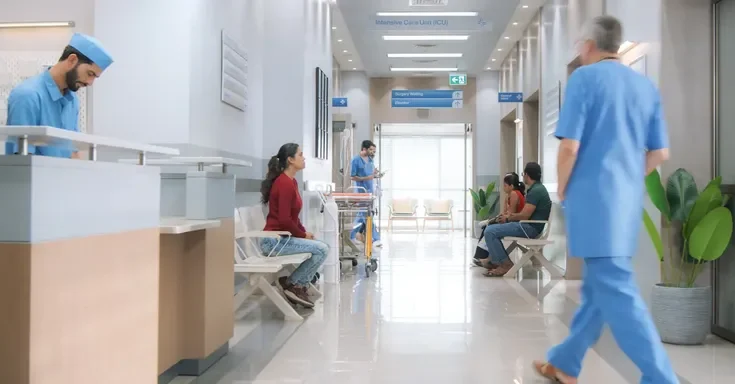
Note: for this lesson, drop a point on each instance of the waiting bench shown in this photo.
(533, 249)
(262, 270)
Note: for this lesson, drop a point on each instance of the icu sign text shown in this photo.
(412, 23)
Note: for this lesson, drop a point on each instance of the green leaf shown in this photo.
(654, 235)
(475, 197)
(492, 202)
(657, 193)
(708, 200)
(711, 237)
(681, 192)
(483, 198)
(490, 188)
(725, 199)
(484, 213)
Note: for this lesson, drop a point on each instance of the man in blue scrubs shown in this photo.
(49, 99)
(363, 173)
(612, 134)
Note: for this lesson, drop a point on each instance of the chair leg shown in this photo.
(276, 298)
(244, 293)
(551, 267)
(512, 272)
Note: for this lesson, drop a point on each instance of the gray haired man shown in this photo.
(612, 134)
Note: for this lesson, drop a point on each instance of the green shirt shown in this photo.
(538, 196)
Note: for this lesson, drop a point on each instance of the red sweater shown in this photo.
(284, 206)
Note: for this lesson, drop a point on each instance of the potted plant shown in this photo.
(698, 229)
(484, 202)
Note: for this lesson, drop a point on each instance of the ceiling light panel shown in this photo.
(427, 14)
(426, 38)
(423, 55)
(399, 69)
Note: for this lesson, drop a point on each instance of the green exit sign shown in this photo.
(457, 79)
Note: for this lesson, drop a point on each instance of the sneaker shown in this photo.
(298, 295)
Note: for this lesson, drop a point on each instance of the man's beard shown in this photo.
(72, 79)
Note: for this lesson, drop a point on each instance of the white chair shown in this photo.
(402, 209)
(533, 249)
(438, 210)
(260, 270)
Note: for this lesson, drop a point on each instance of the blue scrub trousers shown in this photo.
(610, 296)
(361, 221)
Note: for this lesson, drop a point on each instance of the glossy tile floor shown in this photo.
(426, 317)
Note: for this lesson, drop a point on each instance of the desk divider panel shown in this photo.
(209, 195)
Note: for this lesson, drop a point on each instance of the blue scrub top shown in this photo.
(38, 101)
(362, 168)
(615, 114)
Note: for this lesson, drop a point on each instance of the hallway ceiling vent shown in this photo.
(428, 3)
(425, 61)
(425, 46)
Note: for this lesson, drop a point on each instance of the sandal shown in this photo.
(550, 372)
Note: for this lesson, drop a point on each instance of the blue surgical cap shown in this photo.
(90, 47)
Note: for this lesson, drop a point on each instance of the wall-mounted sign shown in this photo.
(435, 98)
(339, 102)
(234, 89)
(510, 97)
(454, 23)
(428, 3)
(457, 79)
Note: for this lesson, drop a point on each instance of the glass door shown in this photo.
(723, 271)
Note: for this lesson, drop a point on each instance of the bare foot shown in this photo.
(550, 372)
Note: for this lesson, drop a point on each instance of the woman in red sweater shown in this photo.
(280, 192)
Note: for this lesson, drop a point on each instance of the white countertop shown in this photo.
(39, 135)
(179, 225)
(191, 160)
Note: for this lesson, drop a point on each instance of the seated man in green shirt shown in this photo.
(538, 207)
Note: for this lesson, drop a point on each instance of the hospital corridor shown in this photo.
(367, 192)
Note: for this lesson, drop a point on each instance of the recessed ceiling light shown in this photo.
(333, 28)
(396, 69)
(515, 23)
(339, 40)
(422, 55)
(350, 60)
(427, 38)
(488, 68)
(345, 51)
(427, 14)
(500, 49)
(507, 38)
(525, 6)
(354, 69)
(493, 60)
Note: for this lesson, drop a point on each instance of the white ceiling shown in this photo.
(355, 26)
(523, 15)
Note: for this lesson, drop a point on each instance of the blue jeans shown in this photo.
(610, 296)
(496, 232)
(303, 275)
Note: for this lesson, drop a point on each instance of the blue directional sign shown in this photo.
(339, 102)
(427, 103)
(427, 98)
(510, 97)
(427, 94)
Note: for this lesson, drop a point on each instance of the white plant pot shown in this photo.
(477, 229)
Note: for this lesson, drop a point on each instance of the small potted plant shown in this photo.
(698, 229)
(484, 202)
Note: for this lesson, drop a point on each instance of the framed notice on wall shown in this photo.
(322, 115)
(234, 91)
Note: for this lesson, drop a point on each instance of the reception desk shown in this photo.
(195, 320)
(79, 264)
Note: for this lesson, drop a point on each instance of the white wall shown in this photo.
(214, 124)
(487, 131)
(356, 88)
(145, 95)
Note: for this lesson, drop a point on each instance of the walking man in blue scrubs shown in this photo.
(612, 134)
(363, 174)
(49, 99)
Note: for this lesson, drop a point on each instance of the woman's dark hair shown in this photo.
(514, 181)
(276, 166)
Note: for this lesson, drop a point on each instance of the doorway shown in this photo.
(428, 167)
